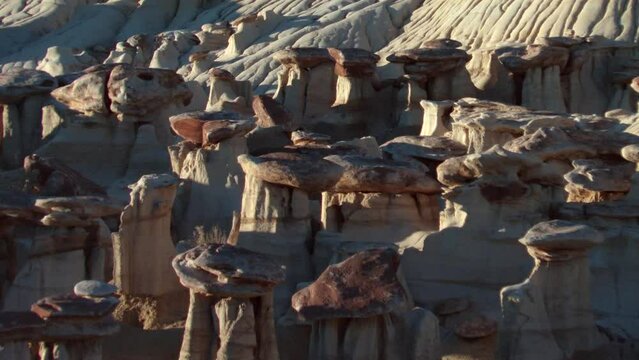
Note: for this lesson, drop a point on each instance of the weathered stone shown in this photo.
(94, 288)
(89, 206)
(430, 61)
(520, 59)
(291, 169)
(557, 235)
(139, 92)
(16, 84)
(206, 281)
(361, 286)
(51, 177)
(353, 62)
(592, 179)
(270, 113)
(216, 131)
(437, 148)
(441, 43)
(362, 174)
(85, 94)
(303, 57)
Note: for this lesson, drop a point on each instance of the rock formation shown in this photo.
(234, 287)
(550, 315)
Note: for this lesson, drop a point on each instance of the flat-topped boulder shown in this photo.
(210, 127)
(304, 171)
(73, 306)
(89, 206)
(436, 148)
(363, 285)
(353, 62)
(600, 175)
(562, 41)
(365, 174)
(303, 57)
(430, 61)
(16, 84)
(521, 59)
(560, 235)
(236, 264)
(271, 113)
(224, 270)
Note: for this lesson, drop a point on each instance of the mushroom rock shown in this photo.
(50, 177)
(439, 69)
(166, 55)
(594, 180)
(143, 247)
(388, 200)
(536, 70)
(364, 174)
(210, 171)
(67, 242)
(234, 286)
(228, 94)
(354, 69)
(22, 95)
(74, 325)
(550, 314)
(276, 216)
(369, 319)
(271, 113)
(305, 69)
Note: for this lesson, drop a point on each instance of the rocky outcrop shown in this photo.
(143, 249)
(353, 318)
(231, 306)
(550, 314)
(212, 180)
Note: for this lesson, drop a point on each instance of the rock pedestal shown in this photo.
(359, 310)
(549, 315)
(231, 303)
(212, 180)
(305, 69)
(228, 94)
(22, 95)
(275, 217)
(143, 249)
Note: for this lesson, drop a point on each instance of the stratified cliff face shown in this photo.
(29, 28)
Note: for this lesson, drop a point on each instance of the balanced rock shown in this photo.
(94, 288)
(73, 306)
(270, 113)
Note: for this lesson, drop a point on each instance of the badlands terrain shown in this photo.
(319, 179)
